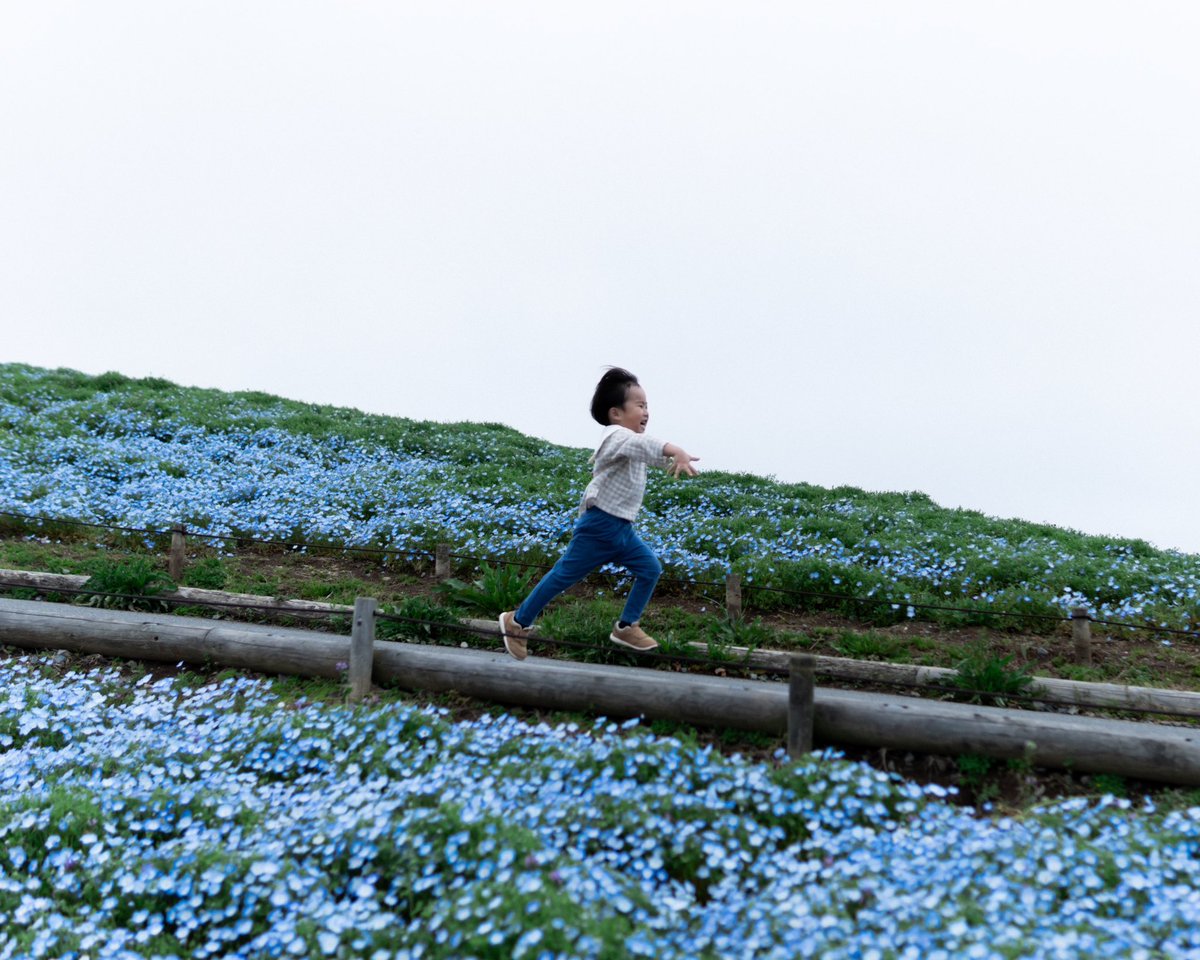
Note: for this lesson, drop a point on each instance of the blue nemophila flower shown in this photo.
(219, 834)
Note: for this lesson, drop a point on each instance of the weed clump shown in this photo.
(127, 584)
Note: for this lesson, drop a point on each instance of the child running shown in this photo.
(604, 531)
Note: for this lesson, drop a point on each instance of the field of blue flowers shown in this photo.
(150, 454)
(176, 818)
(165, 818)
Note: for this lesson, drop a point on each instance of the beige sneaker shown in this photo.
(633, 637)
(514, 635)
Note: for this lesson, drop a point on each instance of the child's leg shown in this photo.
(591, 546)
(640, 560)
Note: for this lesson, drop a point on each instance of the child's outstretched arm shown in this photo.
(681, 460)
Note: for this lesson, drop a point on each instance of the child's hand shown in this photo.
(683, 464)
(681, 461)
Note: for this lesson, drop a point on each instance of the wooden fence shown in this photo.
(805, 715)
(1070, 693)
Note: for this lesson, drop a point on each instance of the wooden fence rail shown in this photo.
(1115, 696)
(1170, 754)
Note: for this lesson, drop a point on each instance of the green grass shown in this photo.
(586, 623)
(206, 573)
(873, 646)
(344, 591)
(23, 555)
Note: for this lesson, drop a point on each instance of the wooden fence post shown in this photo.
(175, 559)
(441, 567)
(800, 705)
(362, 648)
(1081, 631)
(733, 597)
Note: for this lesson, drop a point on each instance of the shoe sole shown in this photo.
(507, 648)
(617, 640)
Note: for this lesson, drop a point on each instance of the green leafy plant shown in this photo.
(739, 633)
(497, 589)
(722, 637)
(986, 678)
(126, 585)
(343, 590)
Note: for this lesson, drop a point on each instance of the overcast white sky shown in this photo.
(949, 247)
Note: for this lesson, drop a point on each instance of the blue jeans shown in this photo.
(599, 538)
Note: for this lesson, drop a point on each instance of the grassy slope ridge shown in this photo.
(150, 453)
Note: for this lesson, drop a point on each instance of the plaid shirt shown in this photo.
(619, 471)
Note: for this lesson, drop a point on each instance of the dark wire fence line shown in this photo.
(842, 598)
(79, 523)
(298, 545)
(992, 695)
(607, 574)
(977, 610)
(527, 565)
(168, 599)
(1154, 629)
(512, 563)
(880, 601)
(239, 538)
(656, 656)
(315, 547)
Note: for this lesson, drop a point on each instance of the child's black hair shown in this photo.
(611, 392)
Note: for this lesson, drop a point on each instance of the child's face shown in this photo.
(634, 414)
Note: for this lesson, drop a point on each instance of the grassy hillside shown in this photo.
(148, 453)
(162, 814)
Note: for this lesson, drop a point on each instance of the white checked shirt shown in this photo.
(619, 471)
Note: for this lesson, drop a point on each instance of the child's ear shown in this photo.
(613, 413)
